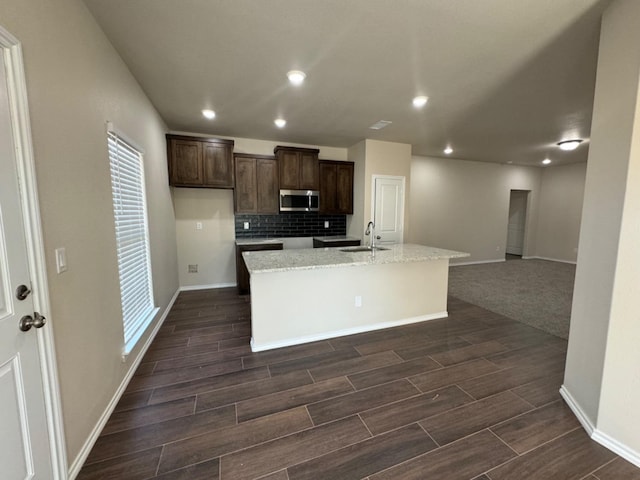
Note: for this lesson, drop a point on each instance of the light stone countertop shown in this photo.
(312, 258)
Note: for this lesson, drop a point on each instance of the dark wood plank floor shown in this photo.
(474, 396)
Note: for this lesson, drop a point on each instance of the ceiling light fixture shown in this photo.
(280, 122)
(210, 114)
(296, 77)
(420, 101)
(448, 150)
(546, 161)
(569, 144)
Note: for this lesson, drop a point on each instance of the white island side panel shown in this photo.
(305, 305)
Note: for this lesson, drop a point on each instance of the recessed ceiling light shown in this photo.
(280, 122)
(296, 77)
(546, 161)
(210, 114)
(420, 101)
(380, 124)
(448, 150)
(569, 144)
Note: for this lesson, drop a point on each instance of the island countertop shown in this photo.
(313, 258)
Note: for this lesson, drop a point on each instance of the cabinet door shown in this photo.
(246, 186)
(309, 176)
(328, 187)
(217, 165)
(267, 186)
(186, 163)
(344, 188)
(289, 170)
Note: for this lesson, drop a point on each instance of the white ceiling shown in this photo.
(506, 79)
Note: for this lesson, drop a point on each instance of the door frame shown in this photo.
(19, 113)
(374, 177)
(527, 194)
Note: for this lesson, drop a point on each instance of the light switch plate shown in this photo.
(326, 224)
(198, 225)
(246, 225)
(61, 260)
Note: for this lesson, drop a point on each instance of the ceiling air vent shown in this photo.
(380, 125)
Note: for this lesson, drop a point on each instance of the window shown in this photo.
(132, 239)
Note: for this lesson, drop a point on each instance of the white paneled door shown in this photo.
(388, 212)
(24, 440)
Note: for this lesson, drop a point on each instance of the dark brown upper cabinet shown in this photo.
(336, 187)
(200, 162)
(256, 189)
(299, 168)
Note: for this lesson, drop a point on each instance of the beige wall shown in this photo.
(560, 210)
(373, 157)
(601, 376)
(387, 158)
(464, 206)
(213, 247)
(76, 82)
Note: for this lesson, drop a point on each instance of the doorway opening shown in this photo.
(516, 229)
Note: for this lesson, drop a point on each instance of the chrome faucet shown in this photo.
(372, 234)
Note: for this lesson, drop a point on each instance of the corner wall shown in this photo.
(76, 82)
(464, 206)
(601, 381)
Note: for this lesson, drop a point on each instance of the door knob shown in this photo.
(22, 292)
(28, 321)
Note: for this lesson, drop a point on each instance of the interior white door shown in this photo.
(24, 440)
(388, 214)
(517, 221)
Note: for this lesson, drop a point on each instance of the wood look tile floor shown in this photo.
(473, 396)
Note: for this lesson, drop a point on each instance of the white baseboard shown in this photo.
(549, 259)
(255, 347)
(188, 288)
(596, 435)
(582, 417)
(77, 464)
(616, 447)
(479, 262)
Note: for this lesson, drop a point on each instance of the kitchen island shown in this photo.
(300, 296)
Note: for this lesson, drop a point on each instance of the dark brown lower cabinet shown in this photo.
(242, 274)
(320, 243)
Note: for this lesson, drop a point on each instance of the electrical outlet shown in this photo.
(193, 268)
(358, 301)
(246, 225)
(198, 225)
(326, 224)
(498, 248)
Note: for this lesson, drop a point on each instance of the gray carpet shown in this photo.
(535, 292)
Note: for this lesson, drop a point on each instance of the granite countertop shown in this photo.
(257, 241)
(335, 238)
(312, 258)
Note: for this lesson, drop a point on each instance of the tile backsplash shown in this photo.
(290, 224)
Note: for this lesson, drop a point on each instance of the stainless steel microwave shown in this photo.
(299, 200)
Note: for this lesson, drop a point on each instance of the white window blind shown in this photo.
(132, 239)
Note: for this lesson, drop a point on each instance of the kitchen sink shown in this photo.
(362, 249)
